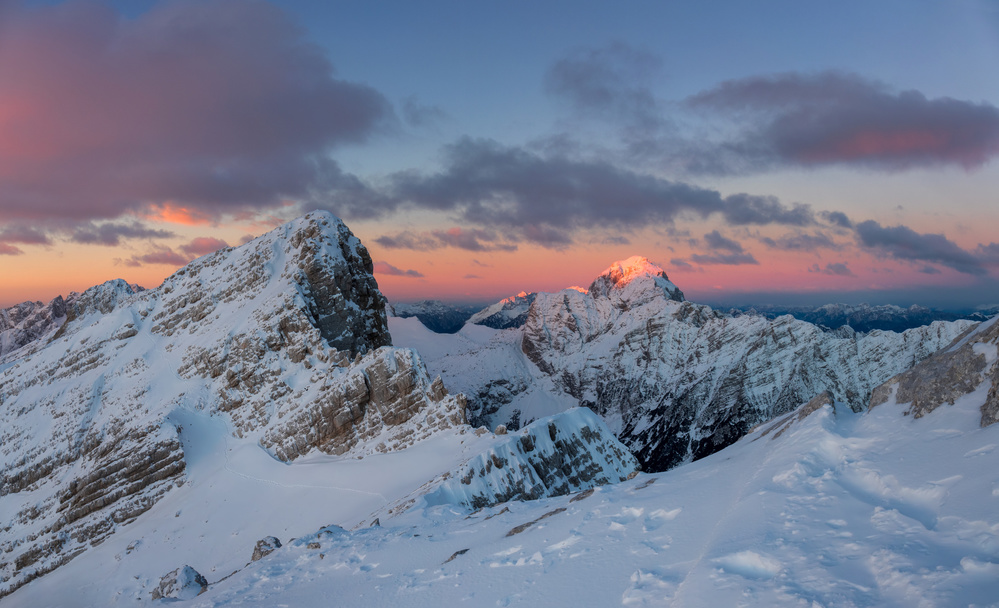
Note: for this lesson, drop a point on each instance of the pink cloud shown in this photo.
(390, 270)
(203, 245)
(160, 255)
(191, 109)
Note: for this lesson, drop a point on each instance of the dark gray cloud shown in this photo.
(715, 240)
(612, 82)
(544, 199)
(681, 265)
(390, 270)
(927, 269)
(988, 254)
(26, 235)
(836, 118)
(802, 241)
(728, 259)
(203, 245)
(748, 209)
(469, 239)
(840, 269)
(214, 105)
(836, 218)
(111, 234)
(904, 243)
(471, 276)
(159, 255)
(416, 114)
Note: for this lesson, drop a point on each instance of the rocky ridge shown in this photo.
(964, 367)
(558, 455)
(284, 338)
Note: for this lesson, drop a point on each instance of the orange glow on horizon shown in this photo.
(174, 214)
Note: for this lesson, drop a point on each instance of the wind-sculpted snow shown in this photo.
(967, 366)
(285, 337)
(675, 381)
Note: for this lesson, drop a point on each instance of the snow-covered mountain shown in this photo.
(246, 395)
(245, 434)
(286, 336)
(674, 380)
(509, 312)
(436, 315)
(821, 507)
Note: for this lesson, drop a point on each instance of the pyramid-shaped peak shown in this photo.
(638, 269)
(625, 271)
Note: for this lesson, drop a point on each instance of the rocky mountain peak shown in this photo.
(636, 273)
(284, 339)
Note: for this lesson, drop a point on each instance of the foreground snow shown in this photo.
(840, 510)
(832, 509)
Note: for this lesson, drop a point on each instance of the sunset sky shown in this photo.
(760, 152)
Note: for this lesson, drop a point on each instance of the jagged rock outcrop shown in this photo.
(674, 380)
(184, 583)
(265, 547)
(507, 313)
(27, 322)
(966, 366)
(285, 338)
(554, 456)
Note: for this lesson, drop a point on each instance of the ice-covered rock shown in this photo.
(284, 339)
(966, 366)
(184, 583)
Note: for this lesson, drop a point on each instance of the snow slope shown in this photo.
(825, 507)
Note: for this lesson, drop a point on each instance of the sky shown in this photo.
(770, 152)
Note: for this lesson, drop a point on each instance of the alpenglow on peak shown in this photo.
(636, 269)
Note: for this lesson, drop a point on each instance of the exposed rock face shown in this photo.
(265, 547)
(507, 313)
(962, 368)
(554, 456)
(184, 583)
(27, 322)
(675, 381)
(285, 338)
